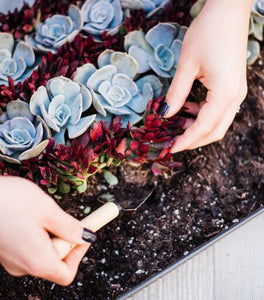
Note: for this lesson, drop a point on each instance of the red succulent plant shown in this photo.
(152, 141)
(67, 167)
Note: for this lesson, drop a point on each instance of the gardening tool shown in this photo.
(100, 217)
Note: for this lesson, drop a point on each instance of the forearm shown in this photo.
(227, 17)
(238, 6)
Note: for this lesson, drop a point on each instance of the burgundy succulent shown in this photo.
(68, 167)
(152, 142)
(7, 169)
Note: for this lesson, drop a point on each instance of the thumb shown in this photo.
(179, 89)
(68, 228)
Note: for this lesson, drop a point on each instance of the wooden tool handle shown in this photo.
(94, 222)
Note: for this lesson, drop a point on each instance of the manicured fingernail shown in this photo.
(163, 108)
(88, 236)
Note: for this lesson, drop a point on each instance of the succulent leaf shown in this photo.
(110, 178)
(258, 11)
(18, 108)
(84, 73)
(7, 41)
(253, 51)
(196, 8)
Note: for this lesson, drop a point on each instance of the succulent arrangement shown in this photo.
(255, 27)
(92, 100)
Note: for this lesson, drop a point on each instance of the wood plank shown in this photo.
(192, 279)
(239, 263)
(231, 268)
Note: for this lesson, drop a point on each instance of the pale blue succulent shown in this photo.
(255, 31)
(253, 51)
(258, 11)
(102, 15)
(158, 50)
(151, 7)
(257, 20)
(22, 136)
(7, 6)
(17, 61)
(56, 31)
(114, 88)
(61, 104)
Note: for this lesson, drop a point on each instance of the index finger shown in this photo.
(49, 266)
(208, 117)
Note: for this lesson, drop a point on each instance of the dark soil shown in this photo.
(218, 186)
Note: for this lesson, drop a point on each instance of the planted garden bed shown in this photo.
(216, 186)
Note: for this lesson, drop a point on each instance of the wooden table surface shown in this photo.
(231, 268)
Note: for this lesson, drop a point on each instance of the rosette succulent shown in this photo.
(158, 50)
(102, 15)
(16, 60)
(257, 20)
(61, 104)
(22, 136)
(56, 31)
(258, 11)
(151, 7)
(114, 88)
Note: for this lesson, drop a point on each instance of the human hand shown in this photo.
(27, 214)
(214, 52)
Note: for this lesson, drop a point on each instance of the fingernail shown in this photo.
(163, 108)
(88, 236)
